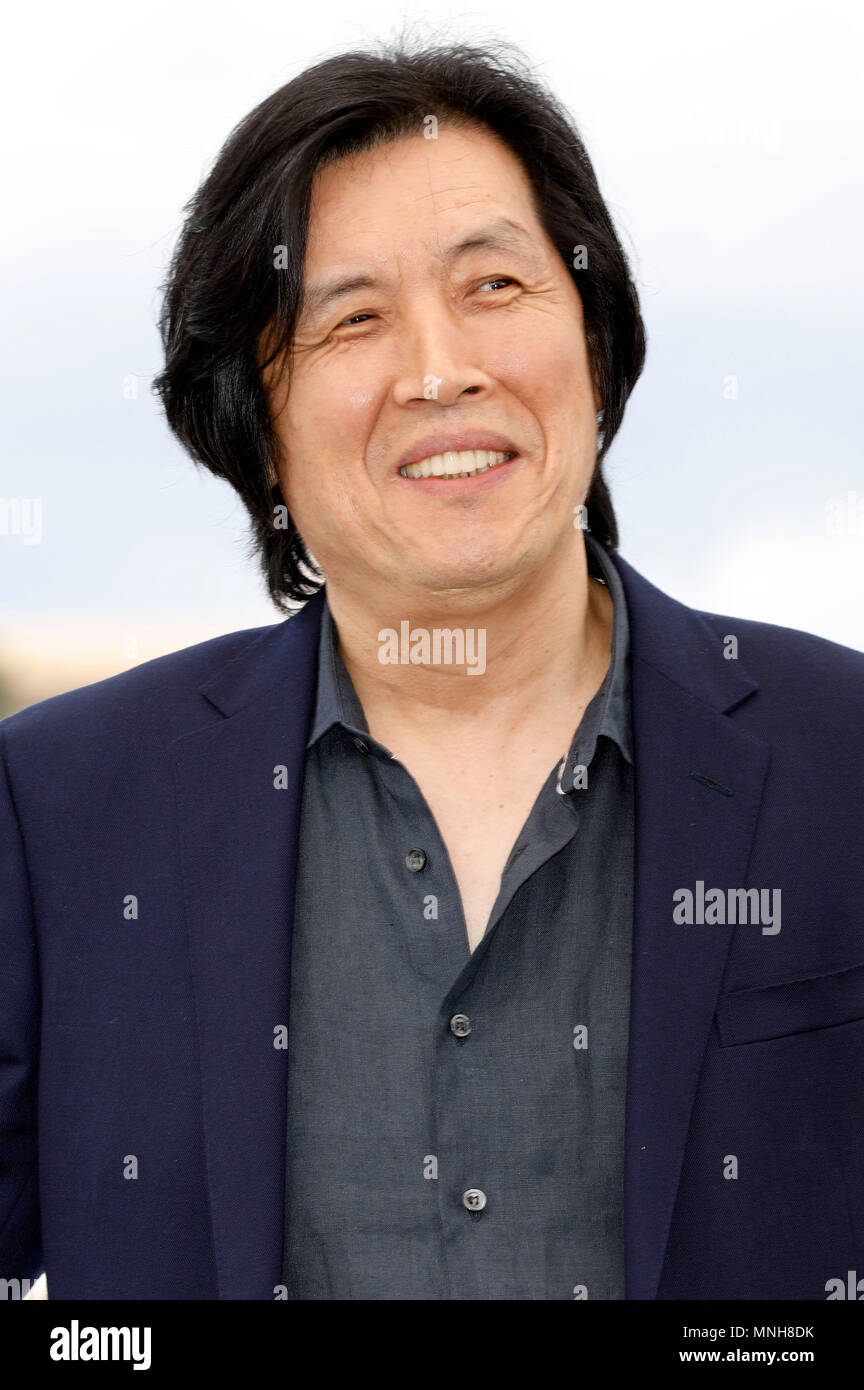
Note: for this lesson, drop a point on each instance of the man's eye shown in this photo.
(352, 318)
(498, 280)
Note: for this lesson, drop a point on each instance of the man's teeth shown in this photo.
(463, 464)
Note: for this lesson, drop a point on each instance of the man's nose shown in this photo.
(438, 356)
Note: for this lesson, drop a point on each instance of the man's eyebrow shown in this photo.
(501, 235)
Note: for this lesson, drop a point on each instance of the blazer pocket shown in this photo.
(795, 1006)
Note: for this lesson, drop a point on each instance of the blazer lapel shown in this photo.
(238, 824)
(685, 831)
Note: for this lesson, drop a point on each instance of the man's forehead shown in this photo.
(431, 182)
(450, 233)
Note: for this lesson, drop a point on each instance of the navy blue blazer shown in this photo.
(149, 850)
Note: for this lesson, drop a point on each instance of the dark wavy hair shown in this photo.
(222, 291)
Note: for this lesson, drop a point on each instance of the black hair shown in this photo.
(222, 292)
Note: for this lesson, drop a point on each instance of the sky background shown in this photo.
(727, 141)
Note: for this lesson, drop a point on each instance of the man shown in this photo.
(491, 928)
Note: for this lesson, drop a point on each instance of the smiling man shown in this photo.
(364, 966)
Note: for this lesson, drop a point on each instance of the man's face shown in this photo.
(447, 340)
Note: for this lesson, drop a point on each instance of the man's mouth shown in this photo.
(466, 463)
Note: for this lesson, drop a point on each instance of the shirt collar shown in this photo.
(336, 701)
(608, 712)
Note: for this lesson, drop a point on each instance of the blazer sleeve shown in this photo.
(20, 1231)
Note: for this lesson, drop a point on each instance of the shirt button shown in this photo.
(415, 860)
(360, 745)
(460, 1025)
(474, 1199)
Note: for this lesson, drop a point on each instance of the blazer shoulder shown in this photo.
(772, 651)
(156, 699)
(811, 690)
(678, 637)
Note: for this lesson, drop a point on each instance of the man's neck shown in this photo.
(546, 648)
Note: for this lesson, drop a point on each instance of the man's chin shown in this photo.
(464, 577)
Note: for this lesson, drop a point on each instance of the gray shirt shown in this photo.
(456, 1120)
